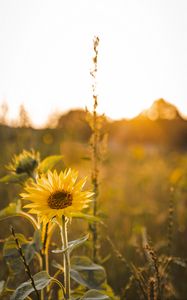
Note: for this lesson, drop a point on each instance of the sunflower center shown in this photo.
(60, 199)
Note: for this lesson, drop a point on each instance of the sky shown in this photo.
(46, 50)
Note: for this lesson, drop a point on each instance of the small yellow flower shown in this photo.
(57, 195)
(25, 162)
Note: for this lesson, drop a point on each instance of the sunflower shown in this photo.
(25, 162)
(57, 195)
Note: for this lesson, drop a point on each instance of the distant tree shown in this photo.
(161, 110)
(74, 125)
(53, 119)
(23, 118)
(3, 113)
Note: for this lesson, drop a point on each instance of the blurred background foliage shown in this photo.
(146, 158)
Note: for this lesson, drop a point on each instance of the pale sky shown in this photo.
(46, 55)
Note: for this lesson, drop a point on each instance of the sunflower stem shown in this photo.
(66, 263)
(44, 254)
(45, 249)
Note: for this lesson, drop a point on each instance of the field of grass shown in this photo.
(142, 205)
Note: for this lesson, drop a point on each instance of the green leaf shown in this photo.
(14, 178)
(32, 247)
(94, 294)
(87, 217)
(87, 273)
(72, 245)
(84, 263)
(11, 210)
(57, 265)
(41, 280)
(107, 290)
(105, 259)
(12, 255)
(10, 247)
(76, 243)
(50, 162)
(14, 209)
(76, 276)
(29, 252)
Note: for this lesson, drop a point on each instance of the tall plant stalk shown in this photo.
(45, 260)
(66, 262)
(27, 268)
(45, 250)
(95, 156)
(171, 221)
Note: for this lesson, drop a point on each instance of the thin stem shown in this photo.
(44, 254)
(118, 254)
(54, 277)
(29, 218)
(27, 269)
(171, 221)
(38, 256)
(24, 215)
(151, 289)
(95, 182)
(55, 280)
(45, 249)
(128, 266)
(156, 267)
(64, 237)
(95, 154)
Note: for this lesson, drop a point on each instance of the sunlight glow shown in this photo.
(46, 53)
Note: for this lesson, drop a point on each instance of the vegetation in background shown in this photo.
(139, 251)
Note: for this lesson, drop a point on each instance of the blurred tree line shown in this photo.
(160, 125)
